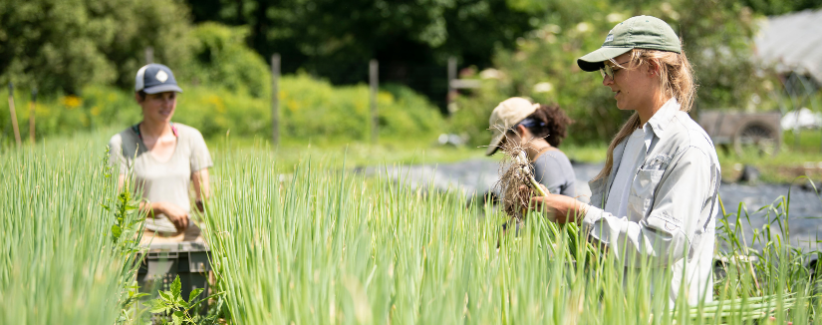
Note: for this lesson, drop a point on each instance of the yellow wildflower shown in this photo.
(72, 101)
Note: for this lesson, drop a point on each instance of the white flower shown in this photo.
(490, 74)
(543, 87)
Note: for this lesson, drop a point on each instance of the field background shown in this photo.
(298, 234)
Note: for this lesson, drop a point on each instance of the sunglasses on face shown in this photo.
(610, 71)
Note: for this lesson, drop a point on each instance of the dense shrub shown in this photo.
(310, 110)
(221, 59)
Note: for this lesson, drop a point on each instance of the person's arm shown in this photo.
(120, 181)
(199, 180)
(175, 214)
(662, 237)
(200, 162)
(560, 208)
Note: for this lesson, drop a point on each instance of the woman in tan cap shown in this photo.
(656, 198)
(538, 130)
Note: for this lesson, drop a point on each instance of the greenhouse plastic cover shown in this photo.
(793, 42)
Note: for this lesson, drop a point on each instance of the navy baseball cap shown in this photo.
(155, 78)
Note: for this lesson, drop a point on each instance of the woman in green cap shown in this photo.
(656, 198)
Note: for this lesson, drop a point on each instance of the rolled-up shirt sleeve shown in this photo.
(663, 236)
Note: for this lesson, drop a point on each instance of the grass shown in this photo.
(291, 153)
(359, 154)
(790, 163)
(300, 239)
(60, 263)
(325, 247)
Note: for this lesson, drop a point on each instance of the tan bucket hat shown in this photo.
(505, 116)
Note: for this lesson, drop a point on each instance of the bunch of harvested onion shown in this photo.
(517, 184)
(524, 168)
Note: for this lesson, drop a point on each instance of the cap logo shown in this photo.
(610, 38)
(162, 76)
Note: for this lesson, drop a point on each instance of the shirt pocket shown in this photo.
(644, 186)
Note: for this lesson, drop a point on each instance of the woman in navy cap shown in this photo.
(162, 159)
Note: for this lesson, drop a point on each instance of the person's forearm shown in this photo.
(560, 208)
(569, 209)
(151, 209)
(201, 188)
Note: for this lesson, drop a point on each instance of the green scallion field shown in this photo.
(320, 244)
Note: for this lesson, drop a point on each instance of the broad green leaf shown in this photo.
(116, 231)
(175, 287)
(177, 317)
(181, 302)
(158, 306)
(166, 296)
(194, 294)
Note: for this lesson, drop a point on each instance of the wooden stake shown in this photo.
(452, 74)
(373, 80)
(149, 54)
(275, 99)
(31, 115)
(14, 115)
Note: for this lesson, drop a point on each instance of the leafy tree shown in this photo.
(65, 44)
(412, 39)
(781, 7)
(221, 58)
(717, 37)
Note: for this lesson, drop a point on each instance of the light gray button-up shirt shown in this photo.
(672, 205)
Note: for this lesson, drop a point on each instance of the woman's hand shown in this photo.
(558, 208)
(175, 214)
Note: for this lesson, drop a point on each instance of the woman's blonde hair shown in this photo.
(677, 78)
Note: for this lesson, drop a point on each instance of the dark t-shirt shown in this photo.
(553, 169)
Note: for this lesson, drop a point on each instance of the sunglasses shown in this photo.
(607, 70)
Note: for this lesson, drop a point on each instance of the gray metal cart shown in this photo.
(759, 132)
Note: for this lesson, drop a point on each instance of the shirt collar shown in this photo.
(659, 121)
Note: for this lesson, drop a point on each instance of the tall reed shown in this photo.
(322, 246)
(59, 262)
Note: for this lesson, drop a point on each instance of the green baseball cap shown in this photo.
(640, 32)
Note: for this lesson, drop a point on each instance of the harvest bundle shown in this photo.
(516, 183)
